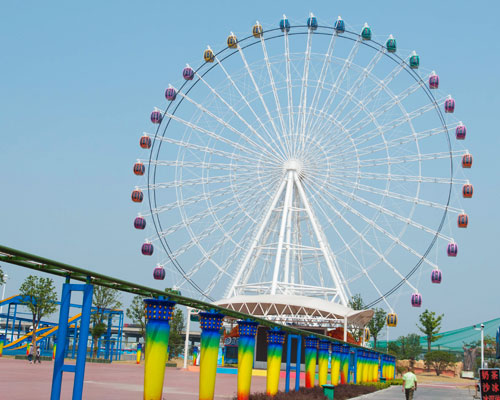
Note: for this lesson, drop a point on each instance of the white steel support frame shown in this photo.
(290, 185)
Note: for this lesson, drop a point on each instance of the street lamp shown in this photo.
(482, 342)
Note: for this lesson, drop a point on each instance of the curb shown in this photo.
(371, 395)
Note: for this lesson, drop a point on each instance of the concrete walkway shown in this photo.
(423, 393)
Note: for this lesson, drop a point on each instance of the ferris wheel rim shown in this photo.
(356, 37)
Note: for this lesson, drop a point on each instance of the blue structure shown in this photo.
(111, 341)
(79, 368)
(297, 363)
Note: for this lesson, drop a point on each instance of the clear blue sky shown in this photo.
(79, 79)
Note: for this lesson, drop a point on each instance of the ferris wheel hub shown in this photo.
(294, 164)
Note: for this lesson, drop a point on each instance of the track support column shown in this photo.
(324, 352)
(210, 323)
(311, 355)
(246, 349)
(158, 315)
(275, 340)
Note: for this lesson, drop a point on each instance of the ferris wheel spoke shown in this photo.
(363, 238)
(362, 269)
(359, 82)
(408, 159)
(286, 150)
(202, 164)
(301, 115)
(407, 117)
(275, 90)
(189, 201)
(289, 86)
(236, 113)
(269, 150)
(338, 83)
(403, 140)
(214, 135)
(394, 239)
(389, 126)
(228, 236)
(401, 178)
(188, 221)
(386, 211)
(322, 76)
(393, 195)
(210, 230)
(211, 150)
(194, 182)
(374, 92)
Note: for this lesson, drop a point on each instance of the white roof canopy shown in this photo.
(298, 310)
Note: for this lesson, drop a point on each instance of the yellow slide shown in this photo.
(26, 336)
(48, 331)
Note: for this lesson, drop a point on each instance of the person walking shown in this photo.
(409, 384)
(31, 354)
(37, 358)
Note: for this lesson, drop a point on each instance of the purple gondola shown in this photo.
(147, 249)
(139, 223)
(452, 250)
(436, 276)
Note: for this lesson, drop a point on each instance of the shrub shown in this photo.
(439, 360)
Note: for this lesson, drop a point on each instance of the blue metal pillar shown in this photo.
(288, 359)
(297, 364)
(79, 368)
(7, 321)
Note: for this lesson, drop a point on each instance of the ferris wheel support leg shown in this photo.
(326, 253)
(265, 221)
(284, 217)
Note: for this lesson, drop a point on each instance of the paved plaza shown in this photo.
(119, 381)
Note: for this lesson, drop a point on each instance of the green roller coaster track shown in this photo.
(41, 264)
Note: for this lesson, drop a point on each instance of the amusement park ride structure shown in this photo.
(302, 161)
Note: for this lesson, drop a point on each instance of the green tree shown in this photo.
(407, 347)
(175, 341)
(136, 313)
(104, 298)
(439, 360)
(2, 277)
(39, 295)
(357, 303)
(376, 324)
(431, 325)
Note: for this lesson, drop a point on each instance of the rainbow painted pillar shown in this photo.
(323, 353)
(344, 364)
(366, 367)
(158, 315)
(139, 351)
(210, 323)
(375, 377)
(275, 340)
(195, 356)
(2, 340)
(335, 369)
(246, 347)
(311, 352)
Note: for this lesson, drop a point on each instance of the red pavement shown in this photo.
(21, 381)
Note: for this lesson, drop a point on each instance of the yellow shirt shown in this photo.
(409, 380)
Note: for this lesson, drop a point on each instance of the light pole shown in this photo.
(3, 290)
(482, 343)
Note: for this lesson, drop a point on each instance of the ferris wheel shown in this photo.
(303, 159)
